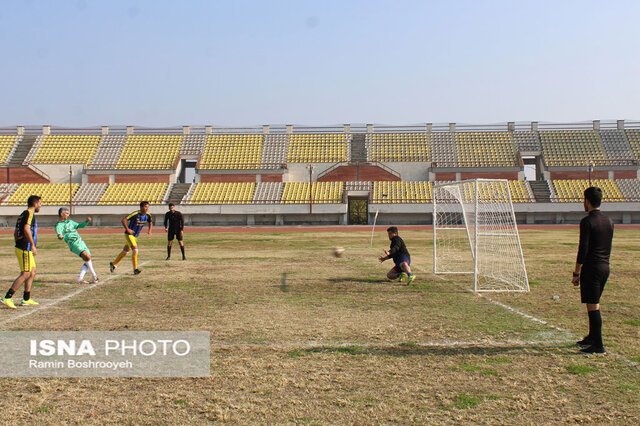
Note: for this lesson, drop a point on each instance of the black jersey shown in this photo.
(27, 217)
(398, 249)
(596, 234)
(174, 220)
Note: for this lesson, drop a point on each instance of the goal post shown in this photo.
(475, 232)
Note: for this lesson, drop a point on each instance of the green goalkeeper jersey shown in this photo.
(68, 230)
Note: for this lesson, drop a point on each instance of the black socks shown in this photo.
(182, 250)
(9, 294)
(595, 328)
(27, 295)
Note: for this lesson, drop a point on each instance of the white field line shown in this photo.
(30, 311)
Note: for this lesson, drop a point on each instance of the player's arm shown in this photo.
(583, 248)
(83, 224)
(59, 230)
(166, 219)
(181, 222)
(27, 233)
(150, 225)
(126, 226)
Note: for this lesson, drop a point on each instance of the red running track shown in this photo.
(328, 228)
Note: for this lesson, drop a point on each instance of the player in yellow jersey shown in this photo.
(133, 224)
(26, 237)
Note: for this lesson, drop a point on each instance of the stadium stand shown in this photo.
(572, 148)
(521, 192)
(52, 194)
(6, 190)
(322, 192)
(133, 193)
(358, 186)
(527, 141)
(485, 149)
(193, 144)
(392, 192)
(616, 146)
(232, 152)
(108, 152)
(630, 189)
(398, 147)
(318, 148)
(150, 152)
(223, 193)
(443, 149)
(274, 151)
(7, 144)
(268, 192)
(89, 194)
(572, 191)
(64, 149)
(633, 136)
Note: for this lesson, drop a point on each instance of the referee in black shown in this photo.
(173, 226)
(592, 266)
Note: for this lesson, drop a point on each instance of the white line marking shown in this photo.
(63, 298)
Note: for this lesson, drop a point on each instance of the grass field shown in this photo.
(335, 342)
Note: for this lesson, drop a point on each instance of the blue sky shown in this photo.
(162, 63)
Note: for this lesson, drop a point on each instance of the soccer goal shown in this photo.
(475, 232)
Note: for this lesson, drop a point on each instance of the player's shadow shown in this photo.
(420, 350)
(424, 285)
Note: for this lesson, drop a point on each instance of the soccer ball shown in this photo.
(338, 251)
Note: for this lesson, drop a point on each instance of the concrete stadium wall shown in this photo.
(323, 214)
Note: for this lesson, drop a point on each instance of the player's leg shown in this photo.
(24, 261)
(179, 237)
(592, 281)
(122, 254)
(26, 298)
(86, 256)
(406, 268)
(393, 273)
(170, 237)
(7, 299)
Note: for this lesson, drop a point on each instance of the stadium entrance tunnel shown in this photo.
(358, 211)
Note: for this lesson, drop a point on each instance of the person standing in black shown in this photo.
(173, 226)
(592, 266)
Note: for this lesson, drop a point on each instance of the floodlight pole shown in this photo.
(310, 167)
(70, 191)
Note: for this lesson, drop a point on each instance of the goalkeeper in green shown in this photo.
(66, 229)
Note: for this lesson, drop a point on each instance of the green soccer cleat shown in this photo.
(29, 302)
(8, 302)
(411, 278)
(402, 276)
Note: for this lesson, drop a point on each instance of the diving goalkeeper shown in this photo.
(66, 229)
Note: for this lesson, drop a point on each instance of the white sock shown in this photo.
(89, 264)
(83, 271)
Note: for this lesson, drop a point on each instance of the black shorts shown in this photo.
(174, 233)
(593, 277)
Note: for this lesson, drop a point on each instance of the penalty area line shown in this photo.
(63, 298)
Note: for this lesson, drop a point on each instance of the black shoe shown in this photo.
(184, 258)
(593, 350)
(586, 342)
(136, 271)
(112, 267)
(168, 258)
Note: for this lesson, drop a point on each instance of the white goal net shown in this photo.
(475, 232)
